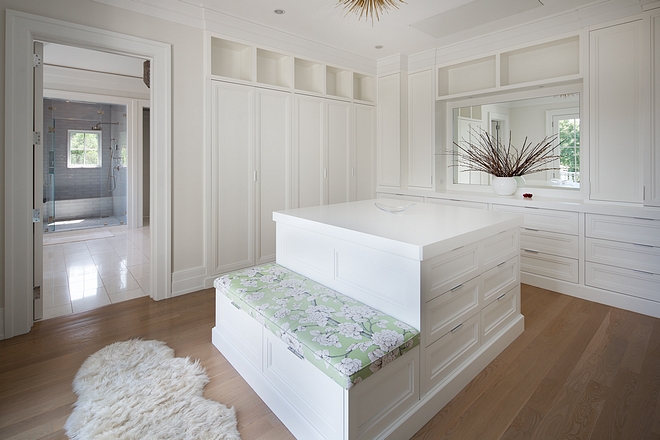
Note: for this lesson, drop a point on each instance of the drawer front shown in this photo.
(243, 331)
(551, 266)
(500, 248)
(639, 284)
(626, 255)
(549, 220)
(627, 229)
(499, 313)
(294, 377)
(448, 352)
(448, 270)
(456, 202)
(552, 243)
(450, 309)
(500, 279)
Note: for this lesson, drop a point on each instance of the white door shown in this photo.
(341, 154)
(421, 129)
(233, 176)
(38, 179)
(309, 161)
(364, 127)
(273, 158)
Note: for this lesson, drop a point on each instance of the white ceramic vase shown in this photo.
(504, 186)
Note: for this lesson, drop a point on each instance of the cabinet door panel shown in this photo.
(309, 149)
(389, 131)
(421, 132)
(340, 153)
(273, 166)
(232, 193)
(364, 126)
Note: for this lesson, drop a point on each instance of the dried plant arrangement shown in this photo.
(487, 154)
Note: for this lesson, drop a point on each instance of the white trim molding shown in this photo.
(21, 31)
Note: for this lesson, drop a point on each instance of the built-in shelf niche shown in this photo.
(554, 59)
(469, 76)
(231, 59)
(309, 76)
(273, 68)
(364, 87)
(338, 82)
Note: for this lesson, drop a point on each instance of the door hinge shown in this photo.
(36, 60)
(36, 293)
(36, 138)
(36, 215)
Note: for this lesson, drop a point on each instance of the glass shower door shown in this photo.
(49, 167)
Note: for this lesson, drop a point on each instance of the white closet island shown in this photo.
(451, 272)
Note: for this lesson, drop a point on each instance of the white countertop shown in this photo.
(420, 232)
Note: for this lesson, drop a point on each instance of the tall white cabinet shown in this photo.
(618, 112)
(653, 171)
(250, 155)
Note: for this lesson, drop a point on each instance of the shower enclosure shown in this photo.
(85, 173)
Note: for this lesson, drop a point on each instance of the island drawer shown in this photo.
(500, 248)
(499, 313)
(449, 270)
(499, 279)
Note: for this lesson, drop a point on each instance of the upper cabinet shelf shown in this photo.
(230, 60)
(540, 64)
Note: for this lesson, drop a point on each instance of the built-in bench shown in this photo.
(325, 345)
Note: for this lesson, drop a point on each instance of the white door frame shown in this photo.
(21, 31)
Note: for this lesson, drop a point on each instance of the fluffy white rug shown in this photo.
(139, 390)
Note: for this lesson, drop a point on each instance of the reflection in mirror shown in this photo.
(533, 119)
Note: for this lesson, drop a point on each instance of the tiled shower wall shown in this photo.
(88, 187)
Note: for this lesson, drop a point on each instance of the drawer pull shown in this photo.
(456, 288)
(643, 245)
(531, 229)
(501, 296)
(298, 355)
(456, 328)
(643, 271)
(235, 305)
(531, 207)
(503, 262)
(531, 251)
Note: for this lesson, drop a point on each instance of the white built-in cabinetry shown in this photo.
(389, 131)
(652, 196)
(421, 129)
(285, 132)
(619, 129)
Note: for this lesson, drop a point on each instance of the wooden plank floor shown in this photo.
(580, 370)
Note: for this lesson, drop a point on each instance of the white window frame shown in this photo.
(68, 149)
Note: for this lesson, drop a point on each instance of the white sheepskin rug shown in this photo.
(139, 390)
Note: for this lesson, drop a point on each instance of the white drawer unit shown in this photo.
(499, 313)
(636, 283)
(639, 257)
(499, 279)
(449, 270)
(562, 245)
(625, 229)
(565, 222)
(500, 248)
(550, 266)
(245, 332)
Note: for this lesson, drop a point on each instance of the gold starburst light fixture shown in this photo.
(369, 8)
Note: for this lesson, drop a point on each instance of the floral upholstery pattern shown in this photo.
(344, 338)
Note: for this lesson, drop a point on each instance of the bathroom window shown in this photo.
(84, 149)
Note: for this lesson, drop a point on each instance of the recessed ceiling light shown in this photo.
(378, 46)
(279, 11)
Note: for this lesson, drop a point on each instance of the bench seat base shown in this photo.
(313, 406)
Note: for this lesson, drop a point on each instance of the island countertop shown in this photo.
(419, 232)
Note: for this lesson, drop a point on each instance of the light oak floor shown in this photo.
(580, 370)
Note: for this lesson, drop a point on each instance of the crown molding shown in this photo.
(170, 10)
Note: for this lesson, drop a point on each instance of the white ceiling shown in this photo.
(416, 26)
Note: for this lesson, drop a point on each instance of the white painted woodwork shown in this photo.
(340, 152)
(653, 170)
(499, 313)
(231, 59)
(273, 166)
(635, 283)
(501, 278)
(617, 113)
(626, 229)
(389, 131)
(551, 60)
(364, 129)
(473, 75)
(233, 176)
(553, 243)
(309, 148)
(273, 68)
(548, 265)
(565, 222)
(421, 129)
(457, 202)
(240, 328)
(626, 255)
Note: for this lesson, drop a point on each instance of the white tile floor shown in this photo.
(84, 275)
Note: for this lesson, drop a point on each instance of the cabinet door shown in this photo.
(364, 127)
(233, 185)
(618, 113)
(653, 193)
(309, 160)
(421, 129)
(389, 131)
(273, 156)
(341, 155)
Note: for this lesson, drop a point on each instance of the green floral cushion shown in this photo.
(345, 338)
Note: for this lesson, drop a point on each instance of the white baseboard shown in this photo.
(2, 323)
(602, 296)
(189, 280)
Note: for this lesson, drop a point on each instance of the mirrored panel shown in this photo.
(527, 120)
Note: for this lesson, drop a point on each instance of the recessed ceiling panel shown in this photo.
(471, 15)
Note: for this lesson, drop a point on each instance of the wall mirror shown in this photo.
(534, 118)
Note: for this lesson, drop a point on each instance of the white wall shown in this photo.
(188, 180)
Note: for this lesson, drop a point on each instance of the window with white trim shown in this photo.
(84, 149)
